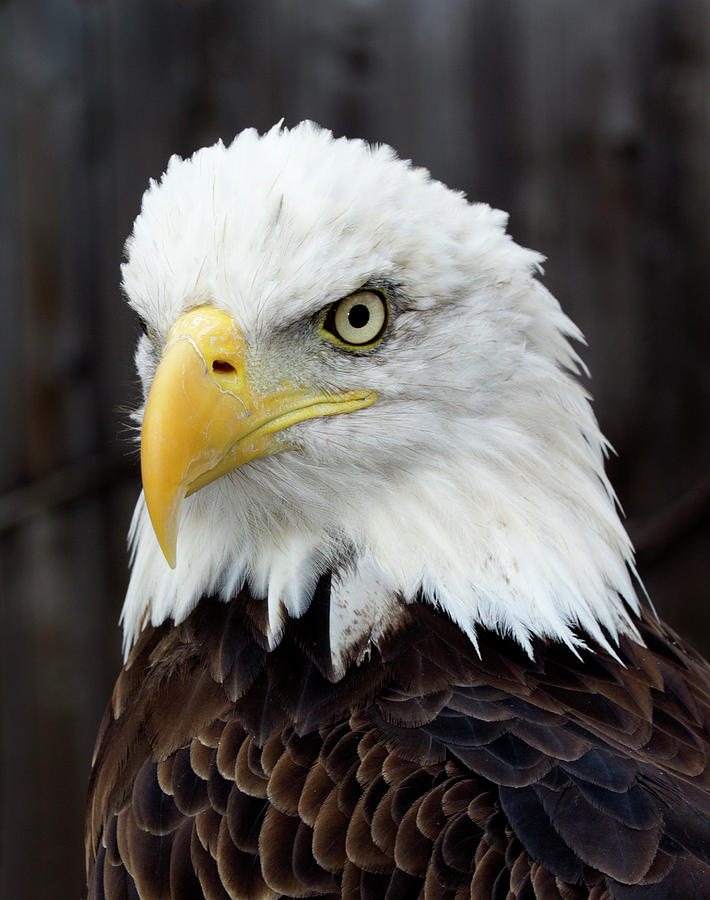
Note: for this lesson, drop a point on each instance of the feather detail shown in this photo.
(520, 777)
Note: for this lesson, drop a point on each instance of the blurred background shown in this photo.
(589, 122)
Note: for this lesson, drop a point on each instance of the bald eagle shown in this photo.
(382, 633)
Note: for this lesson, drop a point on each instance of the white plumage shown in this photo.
(477, 475)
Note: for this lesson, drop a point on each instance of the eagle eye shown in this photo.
(358, 320)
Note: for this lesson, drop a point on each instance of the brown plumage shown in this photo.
(222, 770)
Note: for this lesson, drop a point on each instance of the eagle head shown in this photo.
(349, 369)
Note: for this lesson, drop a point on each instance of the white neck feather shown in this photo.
(520, 535)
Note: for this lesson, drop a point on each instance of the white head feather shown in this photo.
(476, 478)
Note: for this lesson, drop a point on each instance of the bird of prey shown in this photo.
(383, 632)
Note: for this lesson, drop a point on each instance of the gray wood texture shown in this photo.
(589, 122)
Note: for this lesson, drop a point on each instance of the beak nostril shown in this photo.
(219, 365)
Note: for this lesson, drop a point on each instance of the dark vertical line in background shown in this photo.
(95, 139)
(674, 395)
(12, 451)
(494, 99)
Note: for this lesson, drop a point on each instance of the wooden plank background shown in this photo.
(590, 122)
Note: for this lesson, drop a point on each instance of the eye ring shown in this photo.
(358, 321)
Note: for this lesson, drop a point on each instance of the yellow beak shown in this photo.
(203, 419)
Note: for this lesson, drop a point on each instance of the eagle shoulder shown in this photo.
(226, 770)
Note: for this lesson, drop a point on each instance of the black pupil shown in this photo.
(359, 316)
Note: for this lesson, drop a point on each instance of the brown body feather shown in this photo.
(226, 771)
